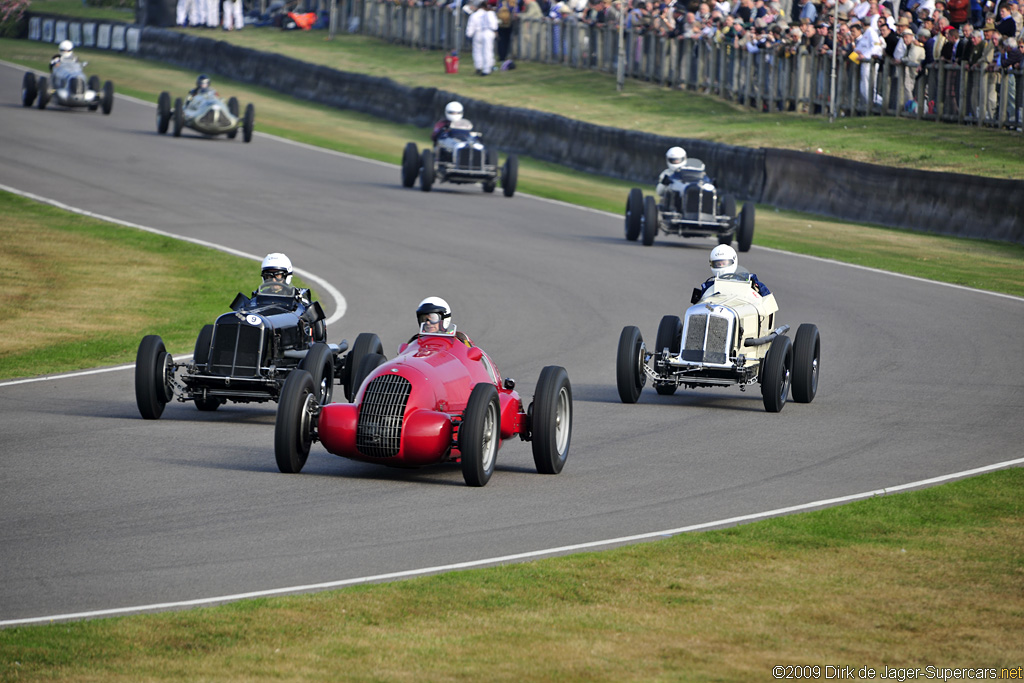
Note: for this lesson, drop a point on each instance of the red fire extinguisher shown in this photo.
(451, 63)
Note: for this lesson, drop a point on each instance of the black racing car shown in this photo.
(248, 353)
(459, 157)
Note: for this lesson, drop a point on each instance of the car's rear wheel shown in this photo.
(367, 365)
(650, 227)
(410, 164)
(152, 377)
(629, 361)
(233, 108)
(43, 90)
(365, 344)
(427, 170)
(28, 89)
(670, 336)
(552, 420)
(248, 122)
(745, 232)
(108, 97)
(510, 175)
(319, 363)
(776, 376)
(163, 112)
(179, 117)
(480, 434)
(634, 214)
(297, 414)
(806, 363)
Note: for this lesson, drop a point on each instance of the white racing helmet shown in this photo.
(675, 157)
(65, 47)
(275, 264)
(723, 260)
(453, 112)
(434, 309)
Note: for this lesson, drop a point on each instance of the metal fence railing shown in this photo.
(769, 80)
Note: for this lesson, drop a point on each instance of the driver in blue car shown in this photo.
(434, 316)
(65, 53)
(675, 159)
(724, 261)
(452, 112)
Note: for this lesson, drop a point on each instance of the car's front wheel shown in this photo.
(248, 122)
(297, 414)
(365, 344)
(629, 365)
(650, 227)
(634, 214)
(806, 363)
(152, 377)
(163, 112)
(410, 164)
(552, 420)
(670, 336)
(510, 175)
(43, 89)
(28, 89)
(776, 376)
(427, 170)
(179, 117)
(108, 97)
(480, 434)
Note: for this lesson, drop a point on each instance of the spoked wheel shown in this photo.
(163, 112)
(480, 434)
(410, 164)
(319, 363)
(775, 378)
(153, 367)
(629, 365)
(108, 97)
(365, 344)
(248, 121)
(650, 227)
(28, 89)
(233, 108)
(427, 170)
(43, 90)
(510, 175)
(670, 336)
(179, 117)
(806, 363)
(297, 415)
(634, 214)
(745, 232)
(552, 420)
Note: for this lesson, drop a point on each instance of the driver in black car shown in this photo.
(724, 261)
(452, 113)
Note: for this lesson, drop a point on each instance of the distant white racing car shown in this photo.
(68, 87)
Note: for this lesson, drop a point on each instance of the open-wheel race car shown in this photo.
(439, 400)
(205, 113)
(690, 207)
(247, 355)
(68, 87)
(728, 337)
(459, 157)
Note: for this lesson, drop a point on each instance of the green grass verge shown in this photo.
(933, 577)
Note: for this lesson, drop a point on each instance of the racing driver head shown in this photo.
(675, 157)
(277, 268)
(453, 112)
(723, 260)
(434, 315)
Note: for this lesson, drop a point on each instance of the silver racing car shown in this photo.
(68, 87)
(205, 113)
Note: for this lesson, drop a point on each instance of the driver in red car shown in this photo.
(434, 316)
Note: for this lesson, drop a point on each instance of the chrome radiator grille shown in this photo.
(699, 200)
(213, 117)
(76, 86)
(716, 330)
(379, 431)
(467, 157)
(236, 350)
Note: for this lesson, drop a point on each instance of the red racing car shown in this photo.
(440, 400)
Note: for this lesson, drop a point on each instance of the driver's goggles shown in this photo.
(721, 263)
(432, 318)
(273, 274)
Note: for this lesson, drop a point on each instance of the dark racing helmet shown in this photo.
(203, 82)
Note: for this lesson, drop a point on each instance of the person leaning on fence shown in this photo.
(1012, 60)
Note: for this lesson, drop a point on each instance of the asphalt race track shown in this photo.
(102, 510)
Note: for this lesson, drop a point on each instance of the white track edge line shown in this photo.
(534, 554)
